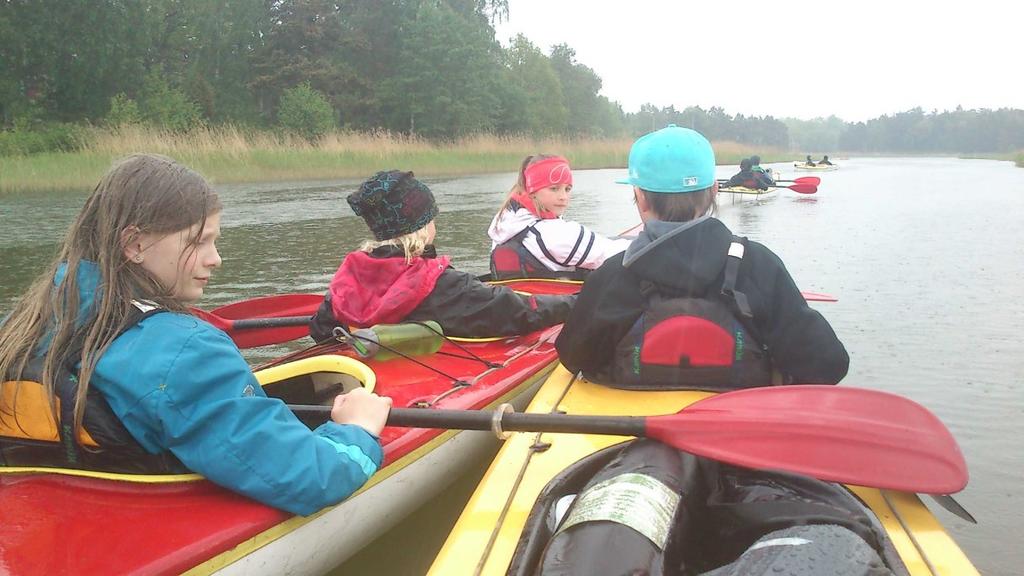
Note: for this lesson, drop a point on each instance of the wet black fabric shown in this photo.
(744, 505)
(750, 179)
(694, 343)
(466, 307)
(118, 450)
(613, 546)
(728, 521)
(748, 364)
(803, 347)
(807, 551)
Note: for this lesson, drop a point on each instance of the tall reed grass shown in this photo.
(232, 154)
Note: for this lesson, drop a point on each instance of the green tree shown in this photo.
(580, 88)
(948, 132)
(68, 57)
(224, 39)
(532, 75)
(819, 134)
(123, 111)
(610, 120)
(305, 41)
(372, 35)
(10, 86)
(446, 82)
(306, 112)
(167, 107)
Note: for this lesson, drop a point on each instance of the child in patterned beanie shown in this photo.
(399, 277)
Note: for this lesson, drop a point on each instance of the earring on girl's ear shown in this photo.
(137, 259)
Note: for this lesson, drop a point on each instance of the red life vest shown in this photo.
(687, 342)
(511, 260)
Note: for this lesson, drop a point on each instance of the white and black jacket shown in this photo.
(560, 245)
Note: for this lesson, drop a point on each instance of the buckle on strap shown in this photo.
(736, 249)
(732, 269)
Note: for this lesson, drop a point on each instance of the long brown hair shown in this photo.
(150, 193)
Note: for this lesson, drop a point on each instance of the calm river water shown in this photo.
(925, 255)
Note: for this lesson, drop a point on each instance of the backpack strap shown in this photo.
(648, 288)
(741, 306)
(528, 256)
(732, 270)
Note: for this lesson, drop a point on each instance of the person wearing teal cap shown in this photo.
(688, 304)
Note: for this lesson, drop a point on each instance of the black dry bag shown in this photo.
(624, 519)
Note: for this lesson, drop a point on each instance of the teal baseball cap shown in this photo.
(673, 160)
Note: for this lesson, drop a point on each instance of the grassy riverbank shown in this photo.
(228, 154)
(1020, 159)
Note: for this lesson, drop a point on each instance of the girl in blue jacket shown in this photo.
(107, 331)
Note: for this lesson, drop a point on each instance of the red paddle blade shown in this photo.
(803, 188)
(217, 321)
(274, 306)
(277, 306)
(255, 337)
(818, 297)
(814, 180)
(849, 435)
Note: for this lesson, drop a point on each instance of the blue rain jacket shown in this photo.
(179, 384)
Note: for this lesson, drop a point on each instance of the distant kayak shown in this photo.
(745, 190)
(815, 168)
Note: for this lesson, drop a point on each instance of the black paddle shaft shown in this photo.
(509, 422)
(279, 322)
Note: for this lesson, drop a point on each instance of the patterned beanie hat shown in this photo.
(393, 203)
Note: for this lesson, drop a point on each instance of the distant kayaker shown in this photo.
(825, 161)
(107, 334)
(689, 304)
(531, 238)
(747, 178)
(809, 162)
(398, 276)
(763, 175)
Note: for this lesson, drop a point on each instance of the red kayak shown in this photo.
(58, 521)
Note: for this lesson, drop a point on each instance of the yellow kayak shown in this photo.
(749, 191)
(493, 535)
(816, 167)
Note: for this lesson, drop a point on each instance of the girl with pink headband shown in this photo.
(530, 237)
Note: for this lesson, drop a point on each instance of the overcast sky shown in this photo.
(855, 59)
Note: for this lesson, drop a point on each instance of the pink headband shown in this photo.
(547, 172)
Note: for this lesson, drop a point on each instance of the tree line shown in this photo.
(431, 68)
(916, 132)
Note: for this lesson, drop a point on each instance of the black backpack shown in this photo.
(690, 342)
